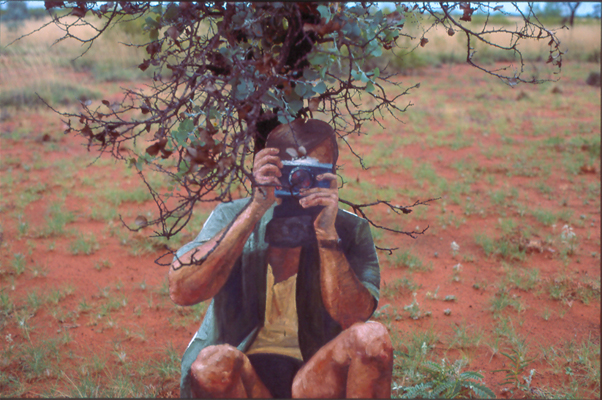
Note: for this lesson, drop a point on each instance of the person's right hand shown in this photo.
(266, 170)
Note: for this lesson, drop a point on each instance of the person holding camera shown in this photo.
(293, 280)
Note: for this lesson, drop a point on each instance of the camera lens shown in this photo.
(300, 179)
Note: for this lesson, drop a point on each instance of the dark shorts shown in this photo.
(276, 372)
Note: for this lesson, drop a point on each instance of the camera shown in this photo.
(301, 174)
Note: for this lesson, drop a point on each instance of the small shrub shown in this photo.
(84, 245)
(19, 263)
(446, 380)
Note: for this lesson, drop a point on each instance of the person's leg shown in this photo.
(357, 363)
(223, 371)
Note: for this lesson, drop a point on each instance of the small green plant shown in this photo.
(163, 290)
(83, 306)
(22, 226)
(456, 272)
(450, 220)
(523, 279)
(168, 363)
(117, 196)
(547, 218)
(498, 197)
(506, 247)
(113, 303)
(56, 295)
(56, 220)
(19, 263)
(34, 301)
(411, 349)
(414, 309)
(455, 248)
(517, 364)
(434, 295)
(486, 243)
(399, 286)
(6, 304)
(568, 239)
(84, 244)
(38, 270)
(100, 264)
(386, 314)
(503, 299)
(409, 260)
(463, 339)
(446, 380)
(479, 285)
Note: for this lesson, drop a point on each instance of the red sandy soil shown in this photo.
(471, 309)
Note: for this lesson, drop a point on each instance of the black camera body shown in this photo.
(291, 224)
(301, 174)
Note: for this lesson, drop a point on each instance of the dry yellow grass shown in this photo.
(39, 64)
(577, 42)
(35, 63)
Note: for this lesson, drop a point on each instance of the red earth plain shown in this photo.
(510, 262)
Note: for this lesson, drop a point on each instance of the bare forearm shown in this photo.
(190, 282)
(345, 298)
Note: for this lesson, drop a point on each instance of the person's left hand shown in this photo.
(327, 197)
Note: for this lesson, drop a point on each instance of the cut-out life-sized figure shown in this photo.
(290, 300)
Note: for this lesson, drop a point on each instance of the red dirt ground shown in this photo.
(91, 337)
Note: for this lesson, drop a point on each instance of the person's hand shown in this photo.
(266, 170)
(327, 197)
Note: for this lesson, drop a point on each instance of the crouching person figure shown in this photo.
(293, 280)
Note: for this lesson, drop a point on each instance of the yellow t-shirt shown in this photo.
(279, 334)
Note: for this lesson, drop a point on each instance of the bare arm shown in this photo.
(345, 297)
(190, 282)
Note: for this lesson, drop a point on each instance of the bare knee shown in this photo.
(372, 342)
(217, 368)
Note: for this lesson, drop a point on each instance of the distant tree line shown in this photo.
(14, 13)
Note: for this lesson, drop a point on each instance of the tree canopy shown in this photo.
(226, 74)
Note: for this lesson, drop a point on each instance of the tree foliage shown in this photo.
(225, 74)
(15, 15)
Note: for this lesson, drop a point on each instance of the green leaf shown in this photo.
(323, 72)
(316, 58)
(324, 12)
(180, 135)
(295, 106)
(243, 89)
(377, 52)
(269, 99)
(151, 23)
(310, 75)
(256, 28)
(357, 10)
(283, 119)
(378, 17)
(319, 88)
(301, 89)
(171, 13)
(360, 76)
(376, 72)
(369, 87)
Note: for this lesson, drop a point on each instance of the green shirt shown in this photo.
(237, 311)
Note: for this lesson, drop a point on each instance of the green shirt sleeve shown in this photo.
(361, 255)
(218, 219)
